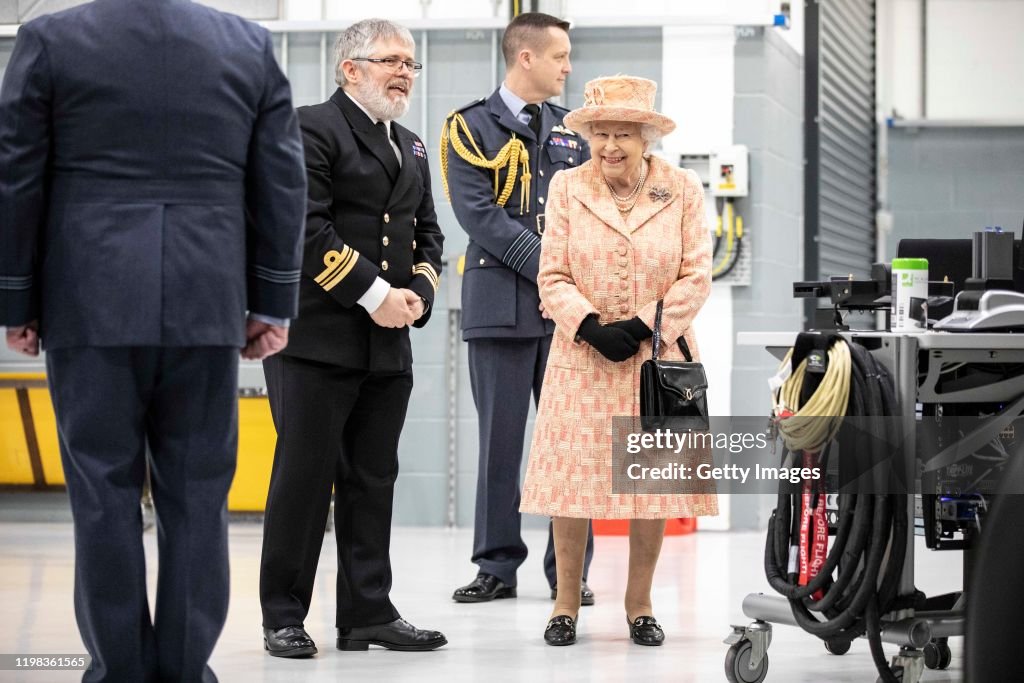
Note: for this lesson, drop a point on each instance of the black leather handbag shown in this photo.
(673, 394)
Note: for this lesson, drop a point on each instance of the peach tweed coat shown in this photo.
(595, 261)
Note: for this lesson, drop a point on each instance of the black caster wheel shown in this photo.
(937, 654)
(897, 672)
(947, 657)
(837, 646)
(737, 664)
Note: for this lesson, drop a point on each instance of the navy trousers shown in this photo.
(336, 428)
(503, 373)
(111, 402)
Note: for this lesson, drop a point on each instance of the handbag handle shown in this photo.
(683, 346)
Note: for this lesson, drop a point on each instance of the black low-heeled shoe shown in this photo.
(646, 631)
(561, 630)
(394, 635)
(484, 588)
(288, 641)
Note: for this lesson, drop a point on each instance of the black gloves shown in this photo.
(636, 327)
(613, 342)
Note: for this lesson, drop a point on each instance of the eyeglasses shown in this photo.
(394, 64)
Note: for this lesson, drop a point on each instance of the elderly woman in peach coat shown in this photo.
(622, 231)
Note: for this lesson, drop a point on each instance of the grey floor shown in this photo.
(699, 586)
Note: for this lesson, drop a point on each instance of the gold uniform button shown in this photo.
(383, 265)
(386, 240)
(387, 218)
(623, 274)
(623, 250)
(624, 308)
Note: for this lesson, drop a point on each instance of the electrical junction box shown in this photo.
(730, 171)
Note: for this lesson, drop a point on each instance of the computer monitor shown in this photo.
(953, 259)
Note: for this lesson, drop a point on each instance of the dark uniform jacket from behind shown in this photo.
(365, 218)
(499, 289)
(151, 181)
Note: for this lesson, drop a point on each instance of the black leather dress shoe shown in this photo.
(646, 631)
(395, 635)
(586, 595)
(290, 641)
(561, 630)
(484, 588)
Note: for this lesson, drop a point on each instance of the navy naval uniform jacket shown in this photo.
(339, 391)
(151, 192)
(366, 218)
(508, 338)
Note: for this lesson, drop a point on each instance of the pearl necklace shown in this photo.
(626, 204)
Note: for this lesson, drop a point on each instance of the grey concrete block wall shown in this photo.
(769, 120)
(950, 182)
(458, 69)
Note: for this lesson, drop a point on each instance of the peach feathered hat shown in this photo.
(620, 98)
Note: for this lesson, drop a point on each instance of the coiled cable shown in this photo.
(860, 576)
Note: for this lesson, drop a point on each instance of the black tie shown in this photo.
(383, 128)
(534, 111)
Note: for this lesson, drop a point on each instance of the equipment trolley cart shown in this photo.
(917, 363)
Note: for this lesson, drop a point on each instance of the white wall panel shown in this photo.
(975, 59)
(697, 87)
(685, 11)
(899, 57)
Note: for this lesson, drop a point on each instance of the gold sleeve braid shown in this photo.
(513, 155)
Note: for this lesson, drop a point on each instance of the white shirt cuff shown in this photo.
(270, 320)
(375, 295)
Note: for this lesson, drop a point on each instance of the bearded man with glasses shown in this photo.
(371, 268)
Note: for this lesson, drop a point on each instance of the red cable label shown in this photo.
(813, 541)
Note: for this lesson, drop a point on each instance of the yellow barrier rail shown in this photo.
(25, 460)
(30, 452)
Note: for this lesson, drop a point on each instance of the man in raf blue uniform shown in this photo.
(497, 157)
(151, 211)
